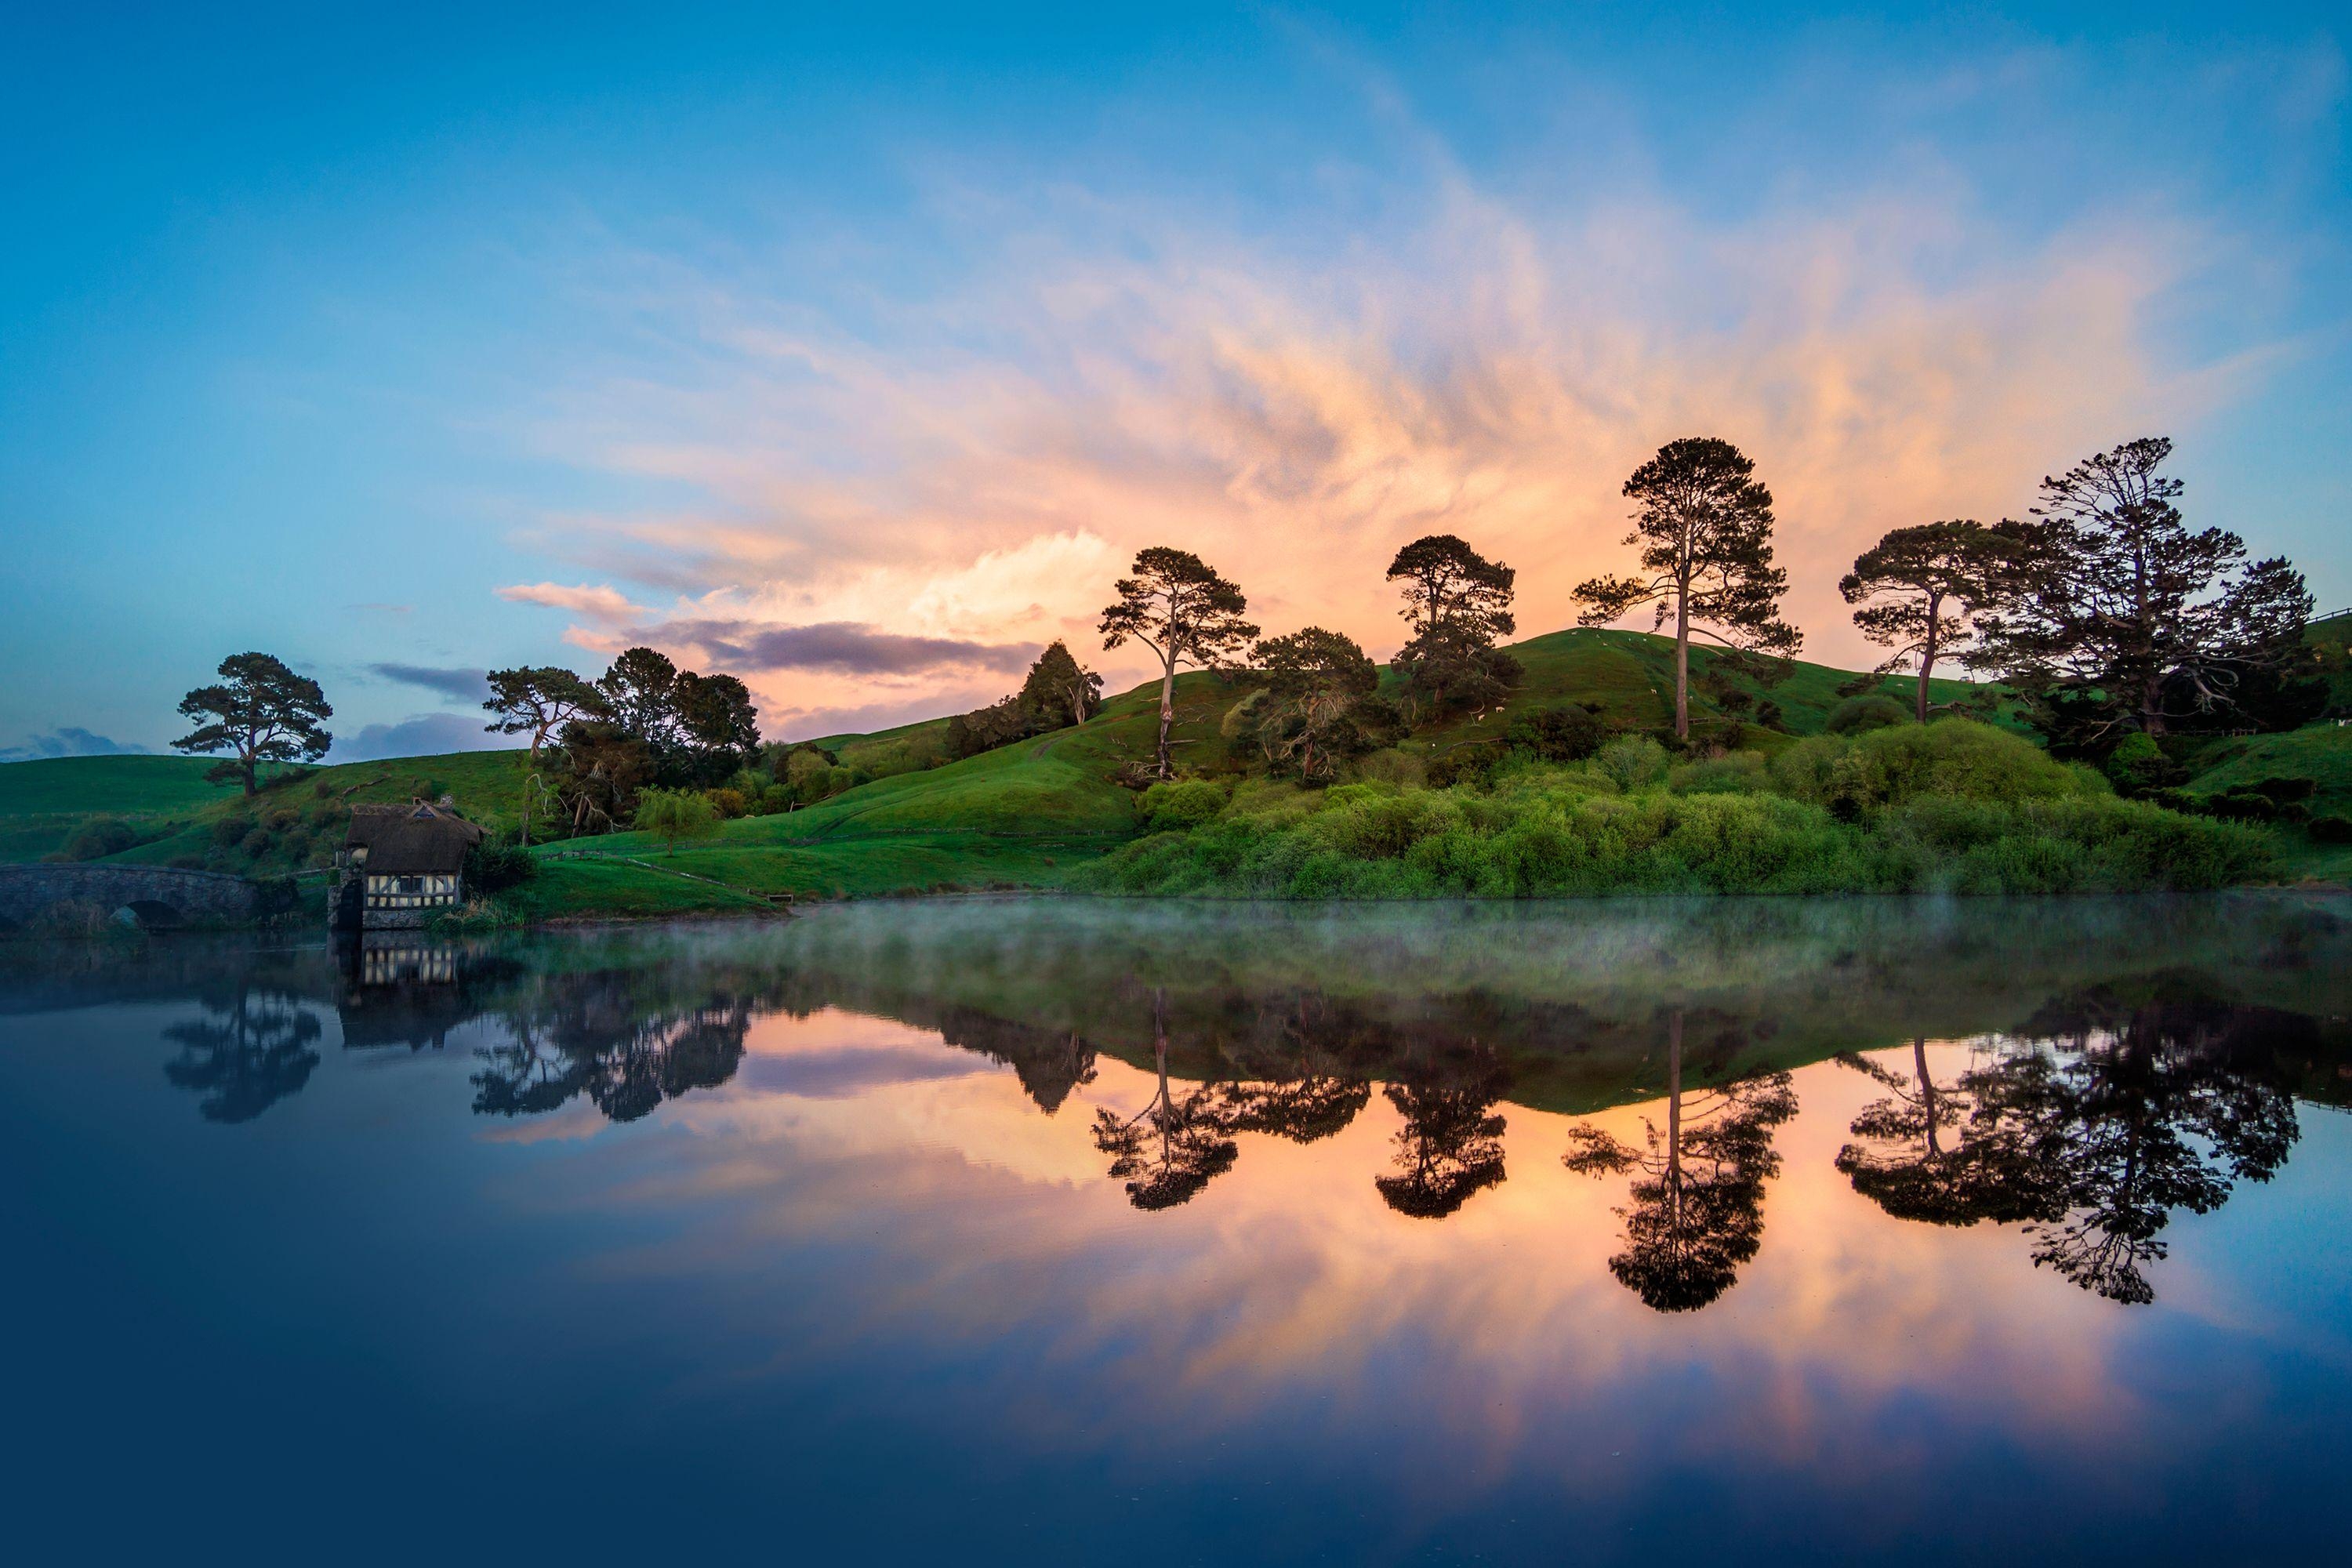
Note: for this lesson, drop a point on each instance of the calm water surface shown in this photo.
(1006, 1231)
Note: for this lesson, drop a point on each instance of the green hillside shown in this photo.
(1024, 815)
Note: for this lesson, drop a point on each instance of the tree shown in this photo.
(1184, 1148)
(718, 726)
(1319, 705)
(697, 728)
(1458, 604)
(1920, 590)
(1698, 1209)
(1450, 1148)
(671, 815)
(1059, 689)
(1446, 583)
(1179, 608)
(245, 1054)
(1704, 526)
(2130, 620)
(2127, 1111)
(1913, 1159)
(538, 701)
(262, 713)
(595, 1034)
(639, 691)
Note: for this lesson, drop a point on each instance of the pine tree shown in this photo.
(1705, 527)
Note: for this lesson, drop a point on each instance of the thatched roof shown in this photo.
(411, 840)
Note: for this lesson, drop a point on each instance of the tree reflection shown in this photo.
(245, 1054)
(1914, 1161)
(1697, 1213)
(2122, 1115)
(1305, 1095)
(590, 1038)
(1173, 1147)
(1450, 1148)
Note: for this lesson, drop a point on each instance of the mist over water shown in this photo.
(1050, 1230)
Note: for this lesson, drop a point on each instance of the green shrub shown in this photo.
(1632, 763)
(100, 837)
(2333, 828)
(1175, 805)
(1565, 735)
(1738, 772)
(675, 814)
(229, 829)
(1391, 766)
(257, 843)
(494, 867)
(729, 804)
(1870, 710)
(1543, 833)
(2138, 766)
(774, 801)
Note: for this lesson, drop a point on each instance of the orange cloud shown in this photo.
(1471, 368)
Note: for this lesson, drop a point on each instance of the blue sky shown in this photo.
(856, 353)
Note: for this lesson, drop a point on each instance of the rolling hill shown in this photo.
(1020, 816)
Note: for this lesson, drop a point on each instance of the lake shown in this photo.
(1049, 1231)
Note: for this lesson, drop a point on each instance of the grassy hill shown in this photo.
(1024, 815)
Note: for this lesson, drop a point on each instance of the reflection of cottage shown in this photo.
(401, 865)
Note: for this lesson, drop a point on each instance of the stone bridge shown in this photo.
(155, 896)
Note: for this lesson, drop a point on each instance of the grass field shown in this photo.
(1024, 816)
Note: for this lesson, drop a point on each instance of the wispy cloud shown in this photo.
(971, 464)
(837, 647)
(458, 684)
(598, 601)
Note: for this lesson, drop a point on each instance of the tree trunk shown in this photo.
(1927, 1090)
(1928, 652)
(247, 768)
(1675, 1092)
(1167, 711)
(1682, 665)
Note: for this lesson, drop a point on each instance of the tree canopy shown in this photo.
(260, 711)
(2131, 620)
(538, 701)
(1318, 705)
(1179, 608)
(1704, 524)
(1919, 589)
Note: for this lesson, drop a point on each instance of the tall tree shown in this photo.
(1179, 608)
(1913, 1159)
(1458, 606)
(1703, 524)
(2132, 621)
(260, 712)
(1185, 1145)
(1059, 689)
(247, 1052)
(2129, 1110)
(1920, 589)
(1319, 705)
(1450, 1146)
(640, 691)
(1446, 583)
(1698, 1208)
(718, 727)
(538, 701)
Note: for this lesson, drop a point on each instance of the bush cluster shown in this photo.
(1952, 806)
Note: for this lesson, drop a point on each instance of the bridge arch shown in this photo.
(153, 895)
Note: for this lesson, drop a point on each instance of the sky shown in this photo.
(857, 353)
